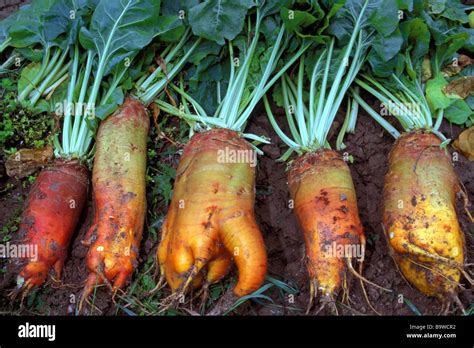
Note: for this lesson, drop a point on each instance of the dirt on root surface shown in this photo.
(369, 147)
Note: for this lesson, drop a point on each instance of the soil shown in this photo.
(9, 6)
(369, 147)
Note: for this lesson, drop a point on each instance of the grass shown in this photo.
(11, 226)
(261, 298)
(412, 307)
(19, 128)
(6, 233)
(470, 310)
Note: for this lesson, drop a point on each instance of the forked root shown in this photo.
(366, 296)
(313, 292)
(176, 297)
(346, 299)
(467, 203)
(362, 278)
(321, 307)
(159, 285)
(194, 271)
(114, 293)
(81, 303)
(459, 303)
(171, 301)
(313, 287)
(22, 290)
(87, 291)
(204, 294)
(324, 300)
(93, 281)
(444, 308)
(327, 299)
(466, 275)
(469, 273)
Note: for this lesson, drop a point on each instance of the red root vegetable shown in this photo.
(118, 180)
(49, 219)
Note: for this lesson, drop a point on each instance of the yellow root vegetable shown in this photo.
(211, 220)
(419, 215)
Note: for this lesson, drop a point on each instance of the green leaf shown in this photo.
(334, 7)
(58, 98)
(417, 36)
(5, 24)
(388, 46)
(435, 95)
(277, 95)
(119, 29)
(455, 11)
(447, 51)
(383, 68)
(436, 6)
(458, 112)
(173, 7)
(112, 104)
(43, 106)
(170, 29)
(218, 20)
(381, 15)
(469, 42)
(257, 67)
(384, 17)
(405, 5)
(296, 20)
(68, 16)
(31, 54)
(269, 29)
(164, 186)
(28, 73)
(206, 95)
(33, 27)
(208, 69)
(470, 101)
(207, 48)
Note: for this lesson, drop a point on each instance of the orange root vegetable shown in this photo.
(119, 197)
(419, 214)
(326, 206)
(52, 211)
(211, 219)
